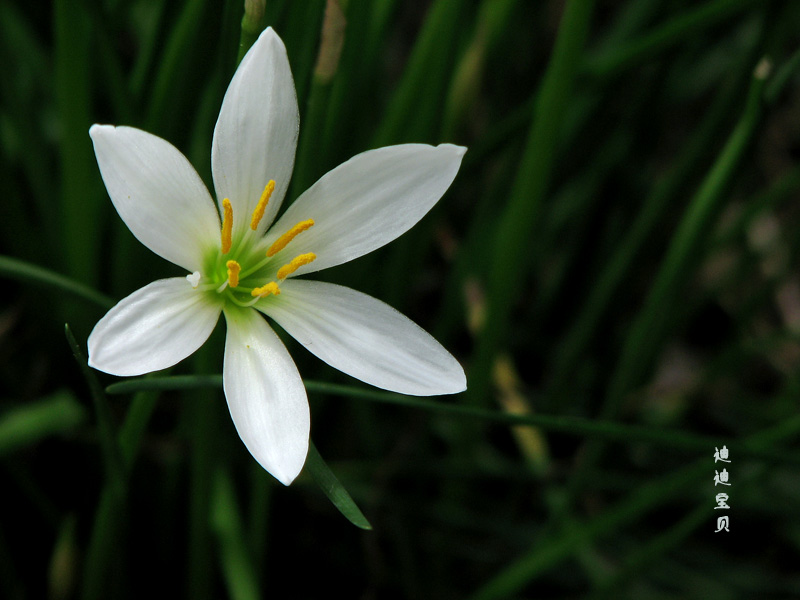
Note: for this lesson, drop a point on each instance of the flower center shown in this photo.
(239, 272)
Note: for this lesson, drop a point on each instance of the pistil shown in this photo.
(233, 272)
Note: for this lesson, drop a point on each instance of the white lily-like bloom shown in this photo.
(241, 264)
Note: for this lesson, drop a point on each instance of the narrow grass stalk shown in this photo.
(333, 488)
(654, 550)
(226, 520)
(358, 70)
(671, 33)
(530, 187)
(115, 471)
(310, 163)
(108, 520)
(416, 105)
(606, 430)
(171, 71)
(34, 421)
(647, 331)
(15, 268)
(20, 46)
(550, 551)
(650, 326)
(79, 207)
(584, 325)
(200, 411)
(259, 506)
(468, 73)
(107, 528)
(252, 25)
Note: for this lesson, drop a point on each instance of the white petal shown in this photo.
(256, 133)
(153, 328)
(265, 394)
(368, 201)
(157, 193)
(365, 338)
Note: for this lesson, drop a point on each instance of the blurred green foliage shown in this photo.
(616, 266)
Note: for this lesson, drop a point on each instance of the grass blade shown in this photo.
(333, 488)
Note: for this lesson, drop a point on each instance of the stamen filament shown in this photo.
(232, 297)
(287, 237)
(233, 272)
(297, 262)
(227, 225)
(258, 213)
(266, 290)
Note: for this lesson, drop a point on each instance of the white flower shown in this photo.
(240, 266)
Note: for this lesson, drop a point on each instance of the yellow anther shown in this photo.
(258, 213)
(227, 225)
(233, 272)
(266, 290)
(287, 237)
(297, 262)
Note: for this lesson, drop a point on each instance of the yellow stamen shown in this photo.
(287, 237)
(297, 262)
(266, 290)
(233, 272)
(258, 213)
(227, 225)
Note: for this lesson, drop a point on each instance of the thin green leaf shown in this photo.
(333, 489)
(110, 513)
(685, 26)
(108, 441)
(594, 428)
(646, 332)
(532, 181)
(226, 522)
(548, 552)
(174, 382)
(14, 268)
(28, 424)
(79, 202)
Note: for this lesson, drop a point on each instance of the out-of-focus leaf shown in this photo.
(28, 424)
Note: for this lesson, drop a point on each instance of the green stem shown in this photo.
(606, 430)
(654, 550)
(584, 326)
(550, 551)
(34, 421)
(235, 558)
(648, 329)
(79, 203)
(109, 516)
(14, 268)
(651, 324)
(416, 105)
(671, 33)
(252, 26)
(115, 471)
(533, 178)
(311, 163)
